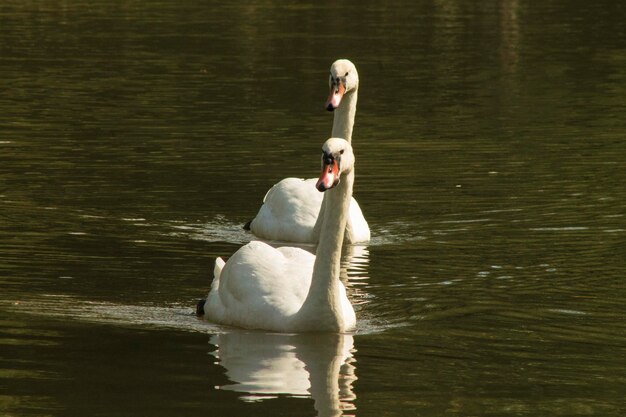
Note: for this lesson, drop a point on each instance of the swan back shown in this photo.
(289, 211)
(261, 287)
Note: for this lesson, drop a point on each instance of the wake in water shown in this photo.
(58, 306)
(219, 229)
(175, 316)
(180, 316)
(395, 233)
(222, 230)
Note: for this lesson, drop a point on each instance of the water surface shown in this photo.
(136, 139)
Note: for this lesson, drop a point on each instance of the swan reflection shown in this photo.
(354, 273)
(266, 365)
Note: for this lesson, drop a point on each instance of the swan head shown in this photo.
(337, 160)
(343, 79)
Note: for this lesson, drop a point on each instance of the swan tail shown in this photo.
(217, 272)
(200, 307)
(219, 265)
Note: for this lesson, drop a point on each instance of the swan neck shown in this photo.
(343, 120)
(335, 217)
(323, 301)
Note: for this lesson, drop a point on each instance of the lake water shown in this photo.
(136, 138)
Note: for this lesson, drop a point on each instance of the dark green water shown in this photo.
(137, 137)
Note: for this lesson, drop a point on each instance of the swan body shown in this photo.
(290, 208)
(289, 211)
(288, 289)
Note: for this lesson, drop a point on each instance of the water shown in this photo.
(136, 139)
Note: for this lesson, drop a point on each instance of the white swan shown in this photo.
(288, 289)
(290, 208)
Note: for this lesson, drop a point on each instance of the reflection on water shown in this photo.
(263, 366)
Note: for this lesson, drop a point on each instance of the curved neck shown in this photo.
(343, 120)
(323, 304)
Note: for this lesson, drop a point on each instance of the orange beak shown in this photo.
(335, 96)
(329, 176)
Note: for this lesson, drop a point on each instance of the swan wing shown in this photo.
(289, 211)
(357, 229)
(261, 287)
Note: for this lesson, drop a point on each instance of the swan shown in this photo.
(290, 208)
(288, 289)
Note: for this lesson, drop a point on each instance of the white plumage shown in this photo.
(288, 289)
(290, 208)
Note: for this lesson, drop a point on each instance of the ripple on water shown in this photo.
(395, 233)
(57, 306)
(176, 316)
(218, 229)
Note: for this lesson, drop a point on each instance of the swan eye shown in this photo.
(341, 152)
(346, 74)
